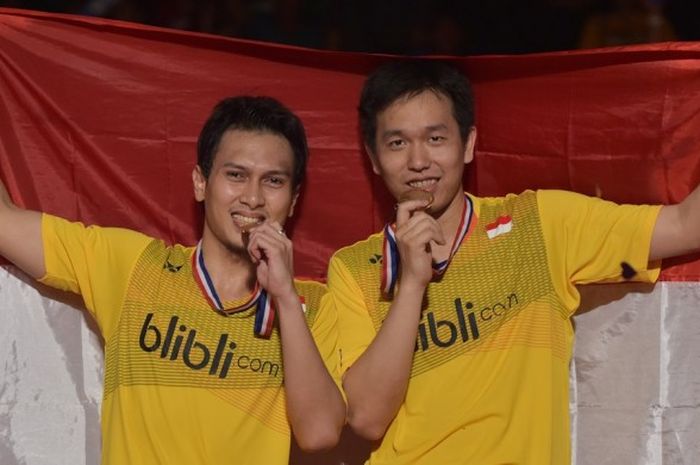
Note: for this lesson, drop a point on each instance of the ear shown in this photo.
(295, 197)
(373, 160)
(469, 146)
(199, 182)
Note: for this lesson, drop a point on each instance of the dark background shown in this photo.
(410, 27)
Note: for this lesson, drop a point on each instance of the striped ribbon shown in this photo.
(391, 259)
(264, 311)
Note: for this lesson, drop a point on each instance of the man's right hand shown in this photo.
(415, 231)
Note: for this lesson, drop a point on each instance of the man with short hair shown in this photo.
(209, 355)
(455, 347)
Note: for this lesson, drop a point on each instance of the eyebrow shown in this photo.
(278, 173)
(273, 172)
(436, 127)
(399, 132)
(391, 133)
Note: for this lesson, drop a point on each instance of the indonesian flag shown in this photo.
(502, 225)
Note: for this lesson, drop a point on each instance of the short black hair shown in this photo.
(252, 113)
(406, 78)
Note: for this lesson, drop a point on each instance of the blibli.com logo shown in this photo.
(463, 325)
(179, 343)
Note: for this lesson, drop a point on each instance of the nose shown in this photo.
(252, 195)
(418, 157)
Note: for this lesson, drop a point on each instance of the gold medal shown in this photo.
(247, 227)
(417, 194)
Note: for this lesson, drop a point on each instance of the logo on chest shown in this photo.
(462, 325)
(178, 343)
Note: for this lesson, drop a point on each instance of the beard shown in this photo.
(226, 239)
(236, 248)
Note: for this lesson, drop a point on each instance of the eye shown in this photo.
(396, 144)
(275, 181)
(437, 139)
(235, 175)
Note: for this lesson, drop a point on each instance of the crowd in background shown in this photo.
(411, 27)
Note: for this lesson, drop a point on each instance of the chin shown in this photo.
(236, 248)
(232, 242)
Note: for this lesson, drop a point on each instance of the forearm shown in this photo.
(20, 236)
(376, 383)
(5, 200)
(690, 214)
(677, 229)
(315, 407)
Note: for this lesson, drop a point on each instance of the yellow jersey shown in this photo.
(489, 380)
(183, 384)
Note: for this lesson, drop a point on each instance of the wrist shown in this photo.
(411, 288)
(286, 299)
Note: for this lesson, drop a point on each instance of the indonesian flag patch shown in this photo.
(501, 226)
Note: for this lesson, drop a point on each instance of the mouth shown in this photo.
(423, 184)
(247, 222)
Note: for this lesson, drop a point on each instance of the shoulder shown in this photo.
(512, 198)
(489, 209)
(361, 254)
(311, 293)
(309, 288)
(572, 206)
(547, 202)
(113, 243)
(66, 229)
(169, 257)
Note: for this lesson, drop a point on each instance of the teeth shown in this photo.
(247, 220)
(422, 184)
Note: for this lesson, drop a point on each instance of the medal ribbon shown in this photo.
(264, 312)
(391, 258)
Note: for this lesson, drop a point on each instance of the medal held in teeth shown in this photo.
(247, 227)
(417, 194)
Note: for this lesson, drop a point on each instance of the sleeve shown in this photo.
(91, 261)
(592, 240)
(325, 333)
(355, 328)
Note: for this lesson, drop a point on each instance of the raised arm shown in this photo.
(376, 383)
(315, 407)
(677, 230)
(20, 236)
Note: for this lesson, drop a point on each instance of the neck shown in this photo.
(232, 271)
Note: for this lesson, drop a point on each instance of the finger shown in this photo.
(276, 265)
(277, 227)
(406, 209)
(422, 237)
(418, 219)
(261, 243)
(272, 230)
(423, 226)
(255, 252)
(269, 246)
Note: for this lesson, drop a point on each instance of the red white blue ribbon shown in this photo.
(391, 258)
(264, 312)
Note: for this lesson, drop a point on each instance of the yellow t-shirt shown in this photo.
(183, 384)
(489, 381)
